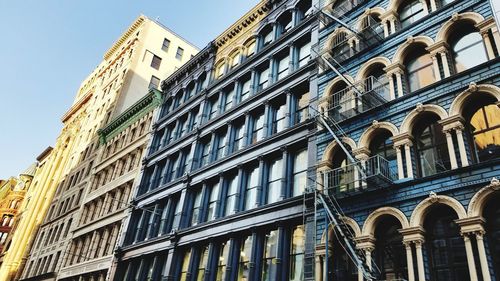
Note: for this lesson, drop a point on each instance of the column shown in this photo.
(392, 22)
(202, 115)
(433, 5)
(288, 105)
(451, 150)
(420, 260)
(284, 172)
(392, 89)
(104, 240)
(229, 137)
(260, 188)
(239, 191)
(409, 166)
(485, 269)
(268, 121)
(253, 77)
(399, 82)
(191, 157)
(409, 261)
(488, 45)
(385, 24)
(117, 202)
(246, 129)
(461, 146)
(399, 158)
(218, 210)
(470, 257)
(435, 65)
(292, 64)
(318, 269)
(446, 66)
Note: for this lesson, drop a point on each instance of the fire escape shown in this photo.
(350, 101)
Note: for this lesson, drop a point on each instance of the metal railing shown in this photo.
(348, 179)
(348, 102)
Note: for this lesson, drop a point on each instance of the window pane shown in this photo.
(245, 255)
(469, 51)
(270, 252)
(420, 72)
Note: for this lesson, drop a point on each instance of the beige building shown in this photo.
(145, 52)
(123, 142)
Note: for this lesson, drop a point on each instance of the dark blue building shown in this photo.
(409, 90)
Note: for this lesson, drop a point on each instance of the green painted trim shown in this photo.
(139, 109)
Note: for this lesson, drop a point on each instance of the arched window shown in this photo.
(376, 80)
(342, 177)
(467, 47)
(304, 9)
(284, 22)
(340, 102)
(390, 255)
(410, 11)
(343, 267)
(383, 146)
(340, 46)
(372, 27)
(492, 217)
(419, 69)
(266, 36)
(483, 117)
(430, 145)
(235, 59)
(445, 247)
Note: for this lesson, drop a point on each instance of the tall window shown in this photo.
(263, 78)
(419, 69)
(304, 53)
(484, 129)
(203, 263)
(228, 99)
(299, 172)
(383, 146)
(491, 214)
(205, 153)
(282, 67)
(250, 49)
(177, 215)
(251, 188)
(235, 59)
(258, 128)
(279, 114)
(195, 216)
(297, 250)
(212, 202)
(154, 83)
(174, 166)
(390, 255)
(445, 247)
(185, 266)
(274, 181)
(221, 145)
(222, 263)
(410, 12)
(166, 45)
(239, 131)
(468, 48)
(179, 53)
(432, 151)
(213, 108)
(232, 191)
(267, 36)
(156, 62)
(245, 89)
(182, 127)
(269, 265)
(302, 107)
(219, 71)
(245, 257)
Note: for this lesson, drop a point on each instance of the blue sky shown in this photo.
(48, 47)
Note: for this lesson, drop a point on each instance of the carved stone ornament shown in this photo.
(433, 196)
(375, 124)
(420, 107)
(495, 184)
(410, 39)
(472, 87)
(454, 17)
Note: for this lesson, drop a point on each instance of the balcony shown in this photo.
(351, 40)
(349, 179)
(356, 99)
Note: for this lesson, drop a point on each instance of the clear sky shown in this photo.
(48, 47)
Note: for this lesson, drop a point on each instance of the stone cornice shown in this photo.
(138, 22)
(133, 113)
(76, 106)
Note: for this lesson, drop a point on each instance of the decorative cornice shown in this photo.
(133, 113)
(138, 22)
(76, 106)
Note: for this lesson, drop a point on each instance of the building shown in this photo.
(12, 194)
(122, 143)
(221, 191)
(146, 51)
(410, 90)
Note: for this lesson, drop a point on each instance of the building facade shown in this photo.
(221, 191)
(146, 51)
(122, 143)
(12, 194)
(411, 90)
